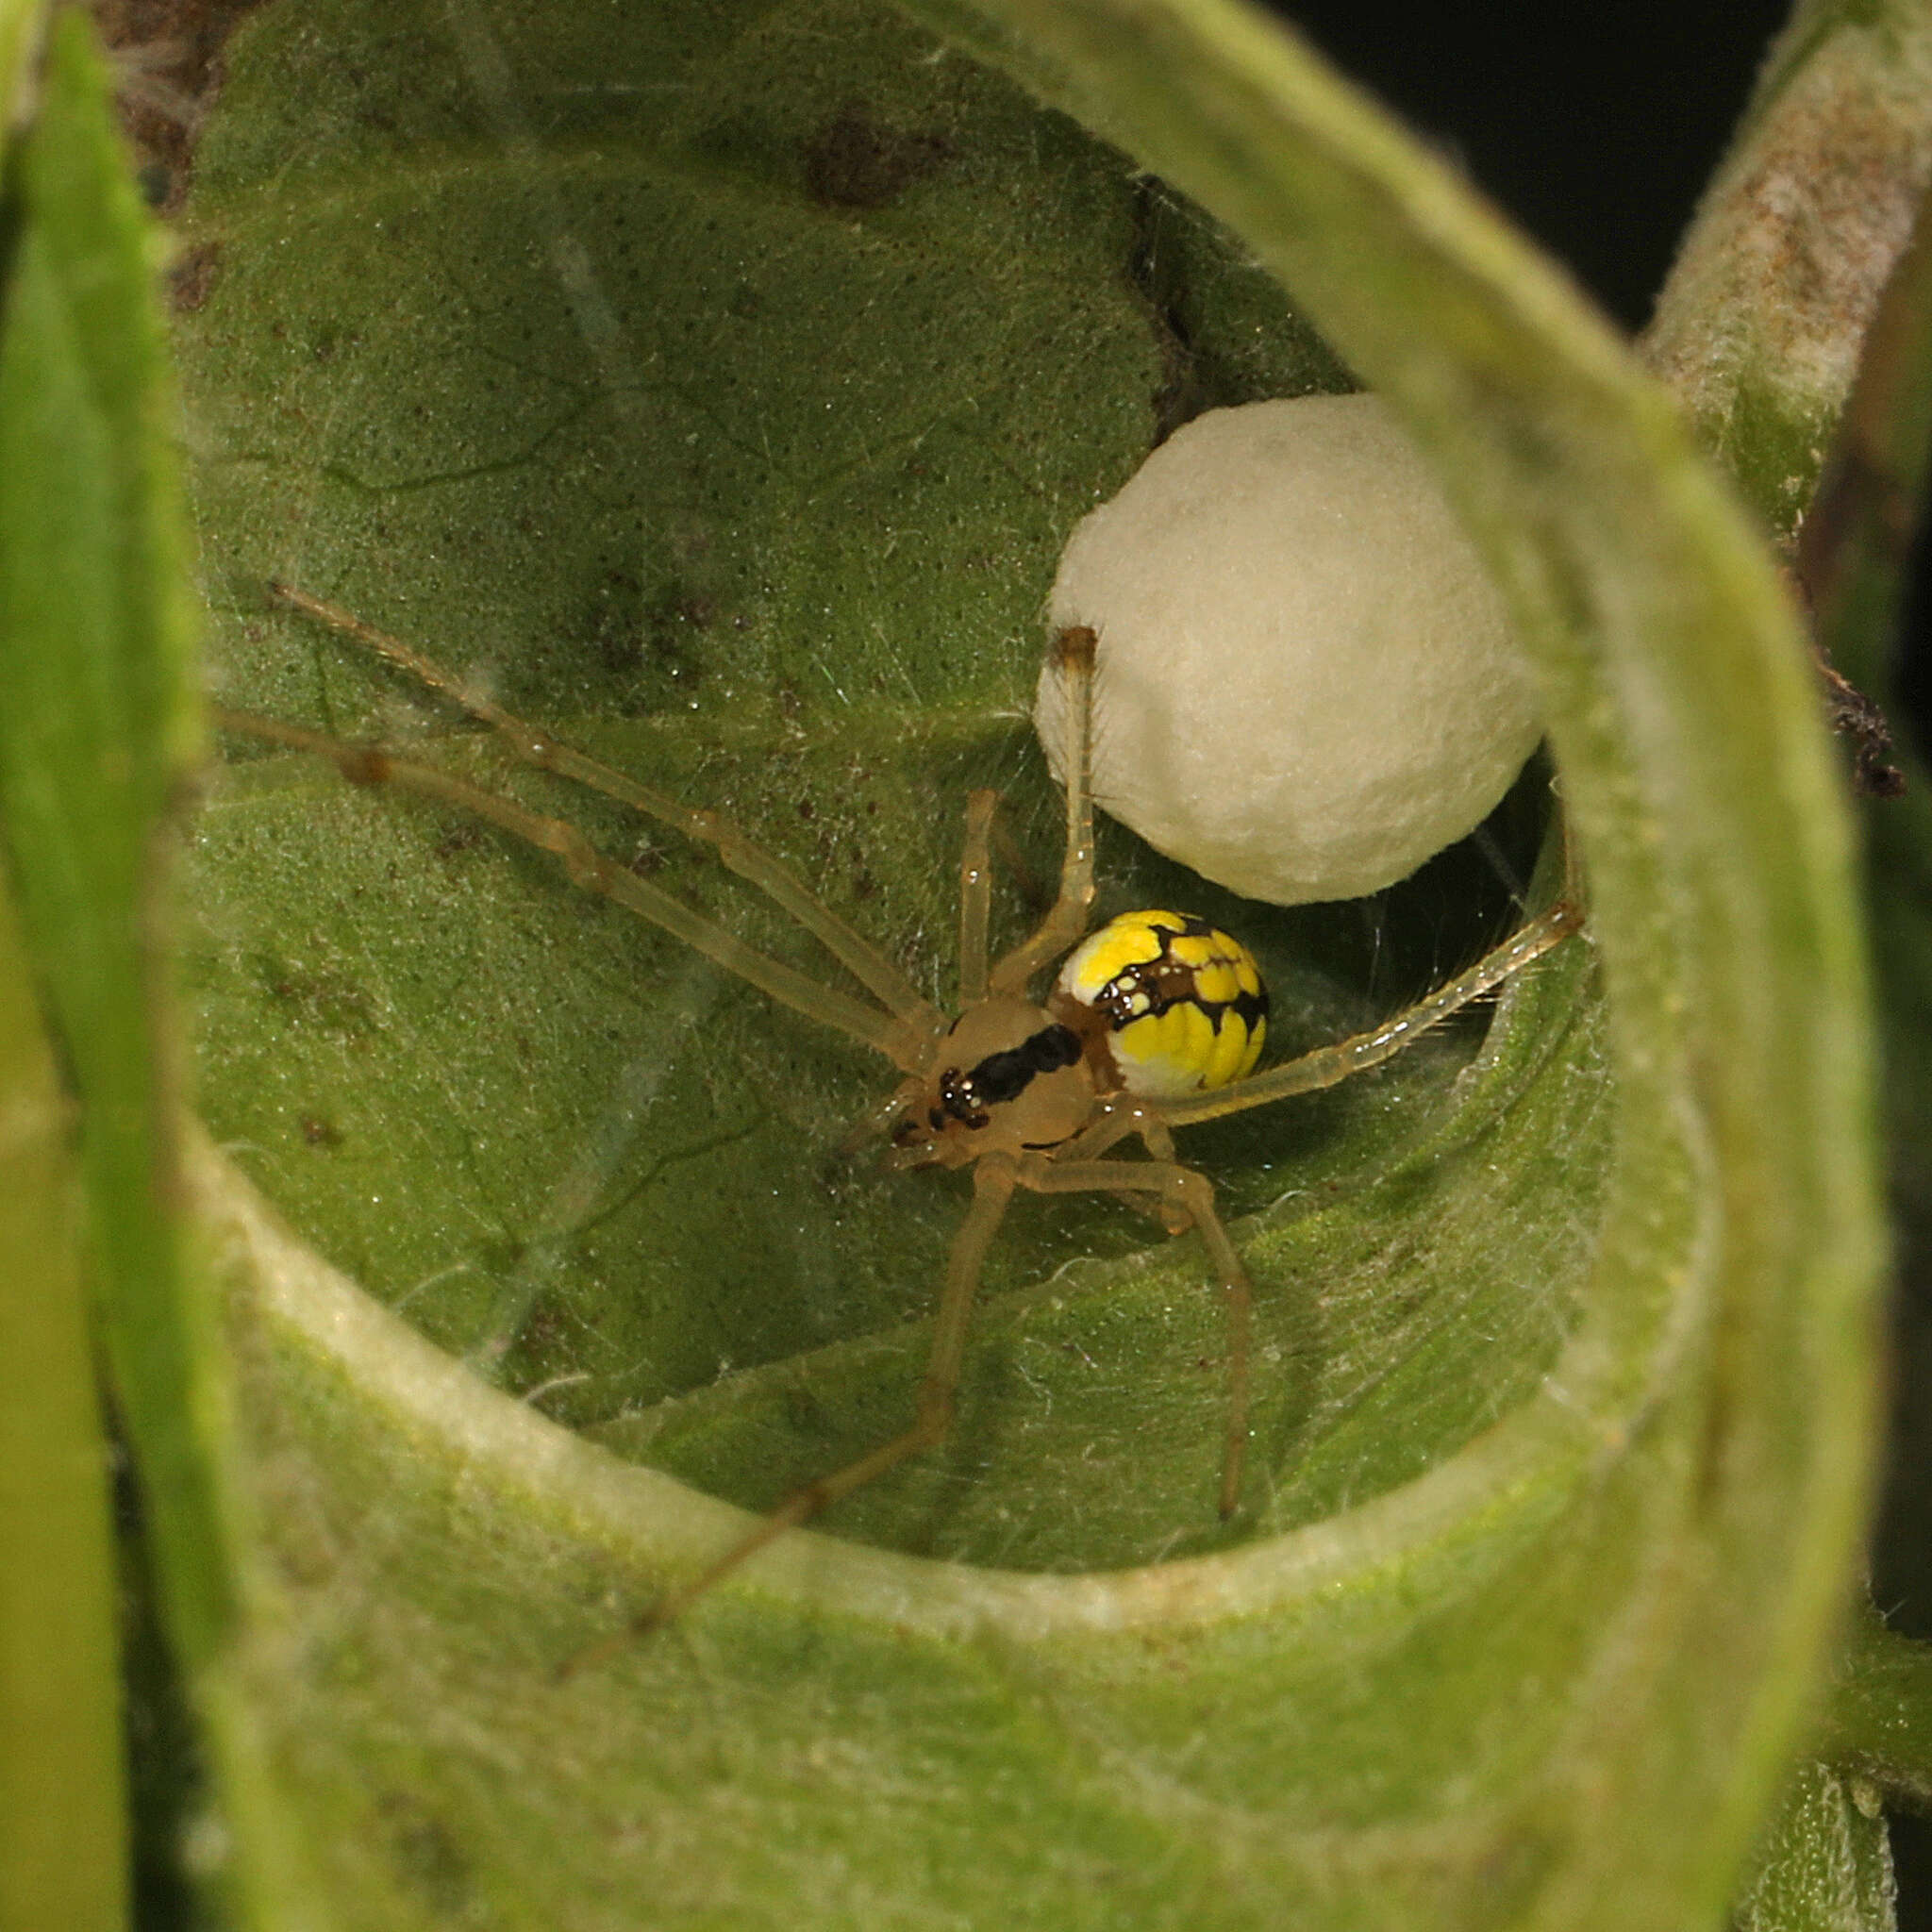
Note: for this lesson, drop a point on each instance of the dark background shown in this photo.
(1596, 129)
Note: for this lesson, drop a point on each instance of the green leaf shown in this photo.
(1761, 324)
(97, 635)
(1880, 1718)
(63, 1828)
(1855, 556)
(1825, 1865)
(1801, 269)
(719, 383)
(96, 735)
(21, 23)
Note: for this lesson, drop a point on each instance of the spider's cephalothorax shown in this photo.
(1005, 1075)
(1154, 1022)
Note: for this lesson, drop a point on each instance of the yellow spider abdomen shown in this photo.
(1181, 1002)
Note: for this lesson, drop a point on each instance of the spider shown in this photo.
(1154, 1022)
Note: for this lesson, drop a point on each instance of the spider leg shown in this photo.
(590, 869)
(1067, 920)
(751, 863)
(1158, 1138)
(1115, 1118)
(992, 1188)
(1191, 1193)
(1328, 1066)
(975, 894)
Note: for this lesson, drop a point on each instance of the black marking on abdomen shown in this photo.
(1249, 1007)
(1166, 982)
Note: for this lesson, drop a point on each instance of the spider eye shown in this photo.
(960, 1098)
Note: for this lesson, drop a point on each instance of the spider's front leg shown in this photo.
(1187, 1200)
(919, 1021)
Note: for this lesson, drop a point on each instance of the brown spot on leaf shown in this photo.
(854, 161)
(166, 63)
(456, 841)
(191, 276)
(614, 625)
(326, 1002)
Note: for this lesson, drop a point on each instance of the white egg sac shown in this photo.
(1305, 683)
